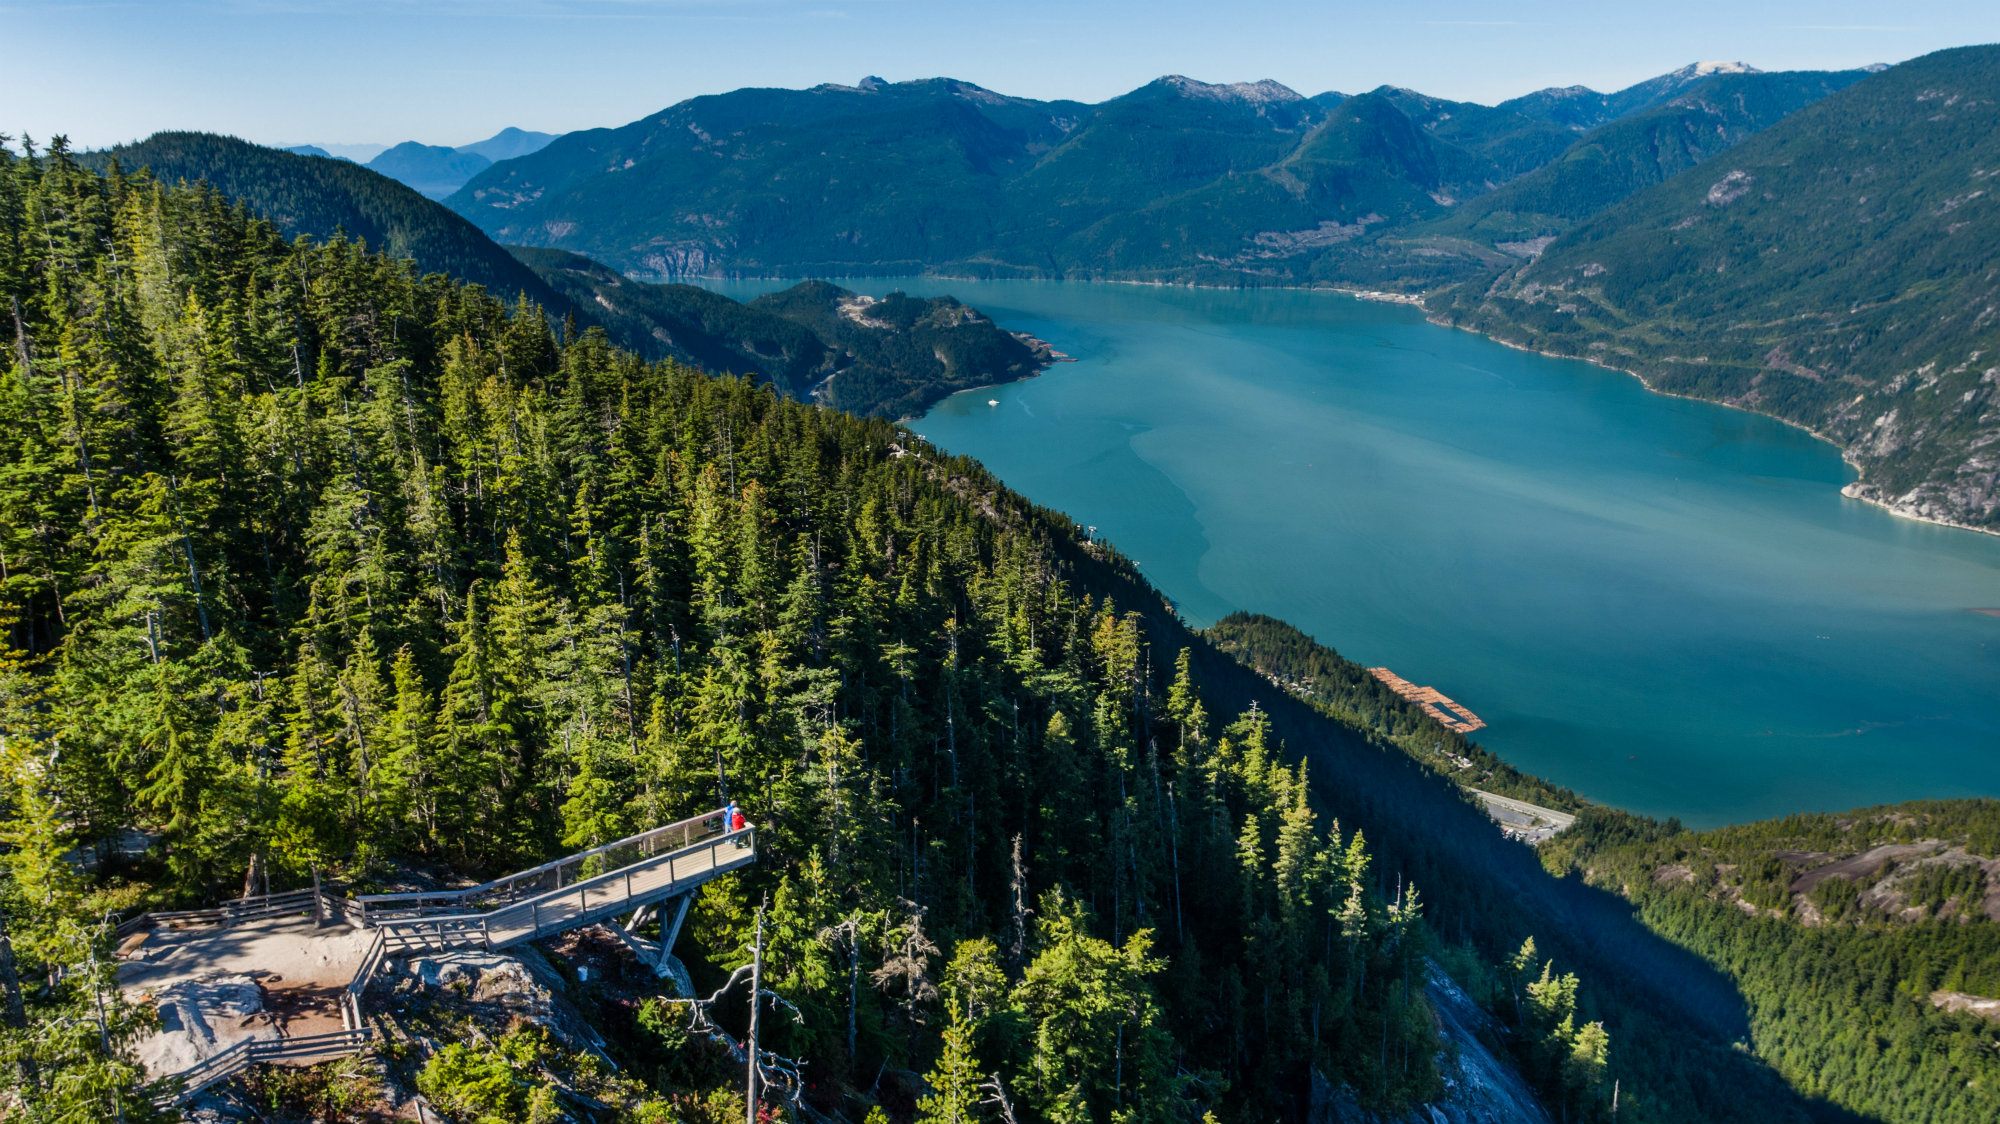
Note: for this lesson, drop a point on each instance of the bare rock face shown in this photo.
(484, 977)
(200, 1018)
(1481, 1087)
(1960, 1001)
(497, 988)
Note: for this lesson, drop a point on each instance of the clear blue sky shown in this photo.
(452, 71)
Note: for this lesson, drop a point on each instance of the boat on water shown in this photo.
(990, 402)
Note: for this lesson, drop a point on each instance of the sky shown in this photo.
(454, 71)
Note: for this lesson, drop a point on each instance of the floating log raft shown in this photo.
(1449, 714)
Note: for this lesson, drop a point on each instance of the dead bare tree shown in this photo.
(848, 932)
(993, 1095)
(906, 964)
(773, 1072)
(1017, 886)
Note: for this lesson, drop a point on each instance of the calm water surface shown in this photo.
(1663, 604)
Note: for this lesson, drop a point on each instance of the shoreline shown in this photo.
(1846, 490)
(1044, 351)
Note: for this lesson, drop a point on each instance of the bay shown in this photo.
(1664, 604)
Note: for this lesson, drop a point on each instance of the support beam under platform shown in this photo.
(659, 954)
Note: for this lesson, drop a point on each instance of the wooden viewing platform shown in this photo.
(1449, 714)
(650, 876)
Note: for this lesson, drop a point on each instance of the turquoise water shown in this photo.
(1663, 604)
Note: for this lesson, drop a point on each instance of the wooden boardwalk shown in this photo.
(648, 881)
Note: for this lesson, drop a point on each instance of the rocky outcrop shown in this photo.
(490, 978)
(199, 1018)
(1481, 1086)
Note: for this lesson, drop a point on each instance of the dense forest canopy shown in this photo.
(314, 565)
(1857, 940)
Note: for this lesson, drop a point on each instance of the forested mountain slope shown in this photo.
(815, 341)
(803, 181)
(1366, 168)
(318, 196)
(312, 563)
(1178, 180)
(1864, 943)
(1836, 270)
(1634, 152)
(1326, 680)
(893, 369)
(1511, 141)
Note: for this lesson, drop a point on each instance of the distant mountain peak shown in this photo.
(508, 143)
(872, 82)
(1263, 92)
(1704, 69)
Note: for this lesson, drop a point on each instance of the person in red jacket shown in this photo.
(733, 820)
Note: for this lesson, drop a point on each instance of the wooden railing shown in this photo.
(350, 996)
(355, 1034)
(579, 903)
(617, 890)
(233, 912)
(172, 1090)
(546, 878)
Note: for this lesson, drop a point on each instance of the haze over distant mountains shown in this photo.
(433, 169)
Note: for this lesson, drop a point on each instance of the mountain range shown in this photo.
(1177, 180)
(1538, 220)
(1549, 220)
(1836, 270)
(435, 170)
